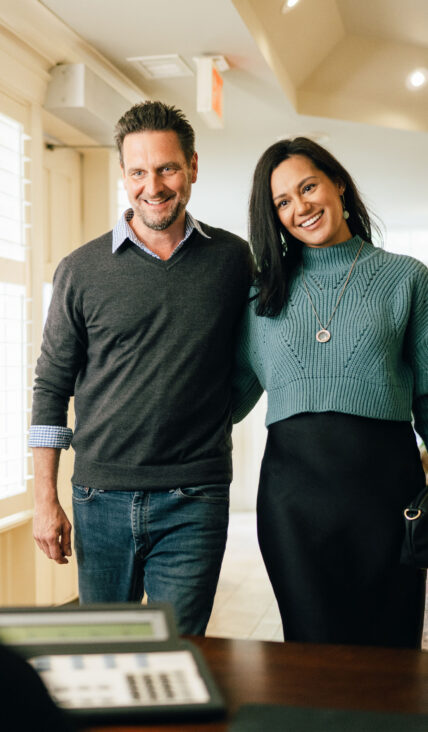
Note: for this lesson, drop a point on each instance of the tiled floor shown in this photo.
(244, 605)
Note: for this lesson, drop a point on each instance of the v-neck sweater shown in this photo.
(376, 361)
(146, 346)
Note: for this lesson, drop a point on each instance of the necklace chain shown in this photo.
(323, 335)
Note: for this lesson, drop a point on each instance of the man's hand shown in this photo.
(52, 531)
(51, 527)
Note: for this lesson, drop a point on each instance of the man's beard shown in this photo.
(165, 223)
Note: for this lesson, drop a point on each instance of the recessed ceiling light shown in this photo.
(288, 5)
(417, 78)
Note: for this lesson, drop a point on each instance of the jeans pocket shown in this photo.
(82, 493)
(215, 493)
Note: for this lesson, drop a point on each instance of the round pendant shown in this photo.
(323, 336)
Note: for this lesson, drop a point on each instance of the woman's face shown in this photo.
(308, 203)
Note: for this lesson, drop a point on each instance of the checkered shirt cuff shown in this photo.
(50, 436)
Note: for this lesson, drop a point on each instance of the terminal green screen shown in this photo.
(78, 632)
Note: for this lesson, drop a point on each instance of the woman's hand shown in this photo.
(424, 458)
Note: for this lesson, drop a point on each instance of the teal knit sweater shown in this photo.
(376, 363)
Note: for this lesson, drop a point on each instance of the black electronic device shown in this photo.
(115, 661)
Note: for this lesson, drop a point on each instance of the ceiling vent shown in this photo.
(168, 66)
(79, 97)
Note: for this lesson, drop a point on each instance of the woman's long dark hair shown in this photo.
(266, 231)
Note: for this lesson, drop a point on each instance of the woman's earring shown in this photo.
(345, 212)
(284, 244)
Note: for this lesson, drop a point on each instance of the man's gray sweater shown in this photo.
(146, 346)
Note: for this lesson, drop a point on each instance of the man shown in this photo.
(141, 329)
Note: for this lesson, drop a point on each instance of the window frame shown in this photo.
(18, 272)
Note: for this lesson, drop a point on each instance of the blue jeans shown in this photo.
(168, 543)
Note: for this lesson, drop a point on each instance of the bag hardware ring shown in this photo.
(408, 511)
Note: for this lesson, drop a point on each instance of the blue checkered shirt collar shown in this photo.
(123, 231)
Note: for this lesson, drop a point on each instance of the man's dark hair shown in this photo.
(156, 117)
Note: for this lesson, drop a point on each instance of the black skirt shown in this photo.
(330, 523)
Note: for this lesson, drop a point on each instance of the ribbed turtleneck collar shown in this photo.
(335, 257)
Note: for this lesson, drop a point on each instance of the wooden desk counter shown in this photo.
(343, 677)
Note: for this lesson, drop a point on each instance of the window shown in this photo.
(13, 389)
(14, 315)
(12, 183)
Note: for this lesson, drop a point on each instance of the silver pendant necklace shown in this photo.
(324, 335)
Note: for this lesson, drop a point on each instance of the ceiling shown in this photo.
(334, 69)
(346, 59)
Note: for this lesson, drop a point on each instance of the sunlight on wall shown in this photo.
(414, 243)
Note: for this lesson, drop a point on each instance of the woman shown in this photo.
(337, 334)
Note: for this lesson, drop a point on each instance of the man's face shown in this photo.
(157, 178)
